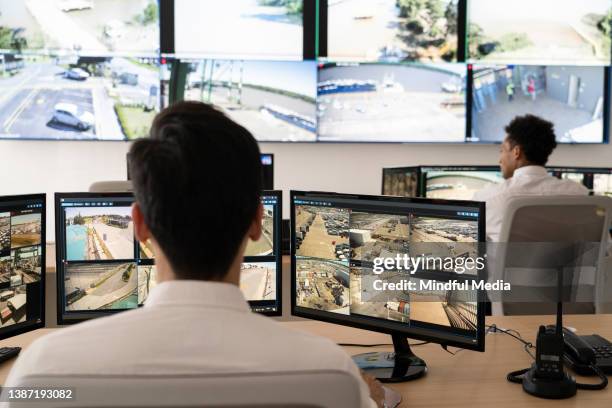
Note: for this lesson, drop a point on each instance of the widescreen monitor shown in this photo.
(570, 32)
(239, 29)
(401, 181)
(22, 264)
(392, 31)
(102, 269)
(391, 102)
(274, 100)
(572, 97)
(597, 180)
(83, 27)
(78, 97)
(457, 182)
(336, 240)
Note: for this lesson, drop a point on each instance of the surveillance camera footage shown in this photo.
(79, 98)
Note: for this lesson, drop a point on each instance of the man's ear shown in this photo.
(141, 230)
(255, 230)
(517, 152)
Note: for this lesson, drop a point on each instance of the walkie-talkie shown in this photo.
(549, 354)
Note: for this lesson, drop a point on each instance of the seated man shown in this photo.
(197, 183)
(529, 142)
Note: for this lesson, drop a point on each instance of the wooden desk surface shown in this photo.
(467, 379)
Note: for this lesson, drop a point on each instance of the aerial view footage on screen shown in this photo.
(275, 100)
(391, 103)
(335, 248)
(271, 29)
(392, 30)
(82, 98)
(92, 27)
(542, 31)
(572, 97)
(20, 262)
(258, 280)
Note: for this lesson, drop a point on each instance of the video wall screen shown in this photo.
(540, 32)
(87, 27)
(391, 102)
(392, 31)
(257, 29)
(77, 97)
(572, 97)
(275, 100)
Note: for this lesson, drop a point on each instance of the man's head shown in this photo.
(529, 141)
(197, 182)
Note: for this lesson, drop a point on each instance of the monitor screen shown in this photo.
(569, 32)
(458, 182)
(391, 102)
(401, 181)
(336, 239)
(274, 100)
(572, 97)
(102, 269)
(22, 263)
(86, 27)
(251, 29)
(597, 180)
(77, 98)
(261, 271)
(267, 163)
(392, 31)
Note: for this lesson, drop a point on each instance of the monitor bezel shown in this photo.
(271, 166)
(479, 345)
(43, 276)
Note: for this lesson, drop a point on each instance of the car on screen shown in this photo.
(70, 115)
(76, 74)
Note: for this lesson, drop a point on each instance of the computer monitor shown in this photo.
(22, 263)
(597, 180)
(534, 32)
(574, 98)
(391, 31)
(337, 239)
(369, 102)
(274, 100)
(267, 163)
(457, 182)
(239, 29)
(102, 269)
(401, 181)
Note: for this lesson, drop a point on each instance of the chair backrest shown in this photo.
(298, 389)
(111, 186)
(558, 224)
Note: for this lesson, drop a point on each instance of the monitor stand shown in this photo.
(397, 366)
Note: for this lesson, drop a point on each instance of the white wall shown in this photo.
(33, 166)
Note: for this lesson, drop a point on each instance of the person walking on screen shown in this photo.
(531, 88)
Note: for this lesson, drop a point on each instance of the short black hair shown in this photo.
(535, 135)
(198, 181)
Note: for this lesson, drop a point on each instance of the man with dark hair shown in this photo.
(529, 142)
(197, 183)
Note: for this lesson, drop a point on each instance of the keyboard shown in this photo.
(6, 353)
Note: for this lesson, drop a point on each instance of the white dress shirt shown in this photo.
(185, 327)
(528, 180)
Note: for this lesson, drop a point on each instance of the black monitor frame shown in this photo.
(19, 328)
(391, 327)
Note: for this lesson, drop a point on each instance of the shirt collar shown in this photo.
(530, 171)
(218, 295)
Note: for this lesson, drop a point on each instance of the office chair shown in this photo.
(561, 228)
(297, 389)
(112, 186)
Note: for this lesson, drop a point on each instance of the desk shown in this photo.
(467, 379)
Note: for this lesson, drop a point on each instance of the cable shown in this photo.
(603, 384)
(526, 344)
